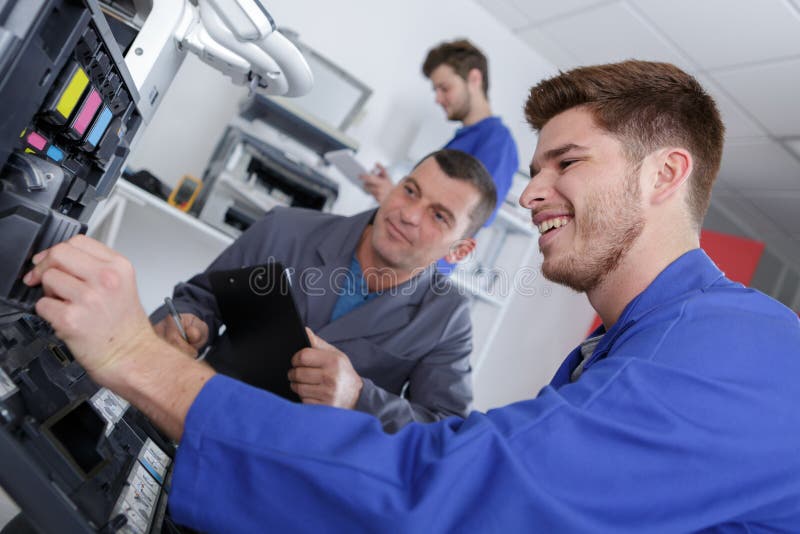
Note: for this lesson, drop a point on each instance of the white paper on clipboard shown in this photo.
(345, 161)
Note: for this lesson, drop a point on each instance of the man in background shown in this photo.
(459, 73)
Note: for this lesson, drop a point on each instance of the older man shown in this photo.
(366, 284)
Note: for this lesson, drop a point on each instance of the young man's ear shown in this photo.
(475, 79)
(460, 250)
(673, 168)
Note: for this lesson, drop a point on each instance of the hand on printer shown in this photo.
(323, 374)
(196, 333)
(91, 301)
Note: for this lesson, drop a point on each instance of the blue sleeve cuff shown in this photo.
(191, 470)
(182, 501)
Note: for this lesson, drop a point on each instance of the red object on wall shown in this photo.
(736, 256)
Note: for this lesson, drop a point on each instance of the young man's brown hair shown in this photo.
(462, 56)
(646, 105)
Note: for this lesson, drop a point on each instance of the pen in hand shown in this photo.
(175, 317)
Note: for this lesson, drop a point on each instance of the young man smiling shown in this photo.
(585, 198)
(678, 415)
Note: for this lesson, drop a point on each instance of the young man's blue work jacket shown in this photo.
(686, 417)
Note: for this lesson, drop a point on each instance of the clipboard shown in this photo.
(344, 160)
(262, 323)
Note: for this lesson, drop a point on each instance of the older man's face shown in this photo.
(423, 216)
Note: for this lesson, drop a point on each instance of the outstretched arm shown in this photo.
(636, 440)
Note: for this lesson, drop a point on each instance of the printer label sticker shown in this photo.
(7, 387)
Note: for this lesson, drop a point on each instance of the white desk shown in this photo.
(164, 244)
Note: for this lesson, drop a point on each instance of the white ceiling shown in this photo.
(745, 52)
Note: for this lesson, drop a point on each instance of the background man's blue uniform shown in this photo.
(491, 142)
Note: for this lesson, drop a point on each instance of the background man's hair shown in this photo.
(462, 56)
(646, 105)
(462, 166)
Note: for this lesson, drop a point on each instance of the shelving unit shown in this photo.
(480, 277)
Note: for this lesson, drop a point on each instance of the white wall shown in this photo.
(188, 123)
(383, 44)
(539, 330)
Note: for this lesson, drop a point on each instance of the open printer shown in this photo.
(74, 93)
